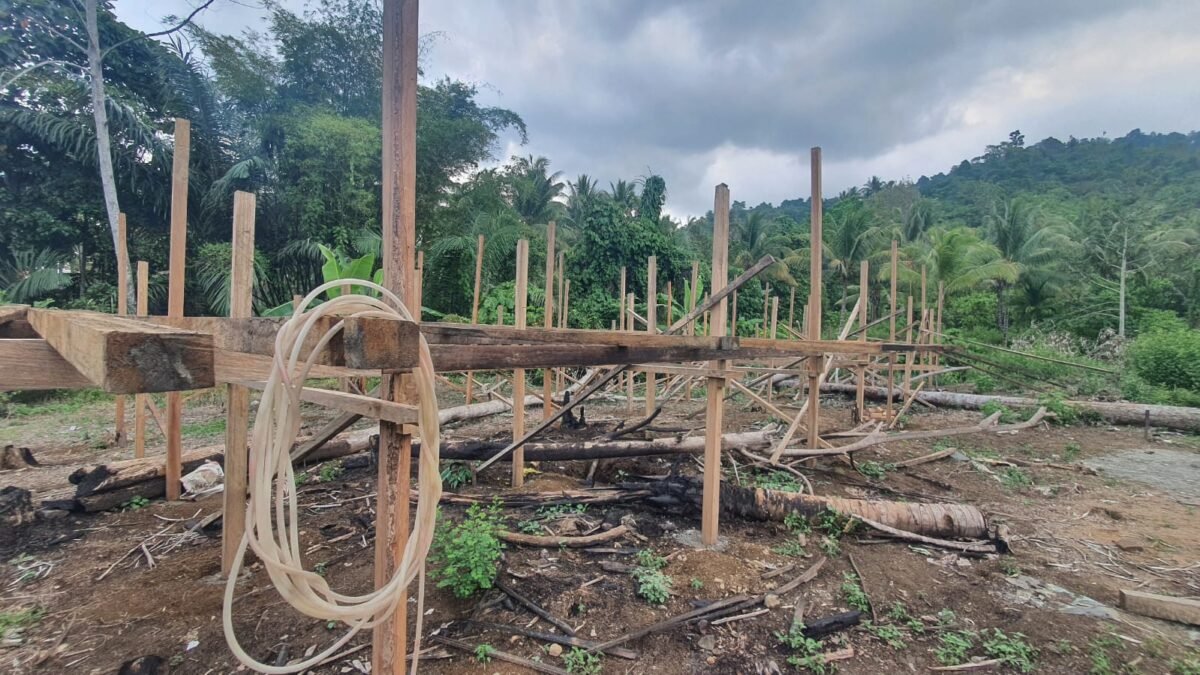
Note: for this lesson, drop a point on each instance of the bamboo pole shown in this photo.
(549, 375)
(237, 411)
(400, 38)
(119, 437)
(816, 286)
(715, 404)
(475, 308)
(651, 324)
(177, 259)
(139, 400)
(522, 298)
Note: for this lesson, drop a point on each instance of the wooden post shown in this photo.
(122, 310)
(499, 315)
(815, 365)
(908, 337)
(861, 375)
(766, 309)
(774, 317)
(791, 324)
(237, 414)
(548, 322)
(621, 322)
(400, 40)
(670, 304)
(566, 305)
(715, 410)
(139, 400)
(475, 308)
(651, 324)
(419, 282)
(733, 324)
(518, 388)
(177, 258)
(629, 326)
(892, 329)
(691, 300)
(922, 315)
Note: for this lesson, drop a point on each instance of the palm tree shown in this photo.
(852, 242)
(500, 230)
(758, 235)
(624, 195)
(1027, 246)
(960, 259)
(31, 275)
(581, 192)
(534, 190)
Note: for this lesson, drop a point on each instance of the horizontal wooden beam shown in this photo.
(365, 406)
(32, 364)
(234, 367)
(123, 356)
(507, 357)
(464, 334)
(689, 371)
(12, 312)
(765, 348)
(1183, 610)
(363, 344)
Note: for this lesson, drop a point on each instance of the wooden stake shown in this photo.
(766, 308)
(178, 256)
(733, 324)
(892, 331)
(774, 317)
(522, 298)
(475, 308)
(861, 376)
(691, 300)
(419, 282)
(548, 322)
(237, 415)
(139, 400)
(400, 40)
(792, 310)
(715, 386)
(122, 310)
(815, 366)
(629, 382)
(651, 324)
(621, 323)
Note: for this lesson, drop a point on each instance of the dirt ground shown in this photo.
(78, 595)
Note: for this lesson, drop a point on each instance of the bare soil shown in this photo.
(1090, 534)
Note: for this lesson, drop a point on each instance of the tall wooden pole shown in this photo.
(630, 327)
(815, 365)
(651, 324)
(548, 322)
(714, 421)
(892, 328)
(621, 323)
(400, 40)
(861, 379)
(791, 324)
(475, 308)
(923, 315)
(122, 310)
(177, 259)
(237, 414)
(691, 300)
(139, 400)
(733, 320)
(518, 389)
(766, 309)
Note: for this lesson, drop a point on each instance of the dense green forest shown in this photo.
(1091, 241)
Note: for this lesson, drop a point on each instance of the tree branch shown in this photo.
(160, 33)
(48, 62)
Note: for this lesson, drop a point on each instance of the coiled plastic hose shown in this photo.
(271, 526)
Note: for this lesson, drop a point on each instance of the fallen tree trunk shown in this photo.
(603, 449)
(1116, 412)
(124, 473)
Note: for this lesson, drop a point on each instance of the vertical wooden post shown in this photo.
(861, 379)
(548, 322)
(774, 317)
(733, 324)
(400, 40)
(924, 358)
(892, 329)
(139, 400)
(518, 389)
(670, 304)
(419, 283)
(908, 337)
(237, 414)
(177, 258)
(691, 300)
(630, 325)
(621, 323)
(815, 365)
(791, 324)
(475, 308)
(651, 324)
(937, 326)
(122, 310)
(566, 305)
(499, 315)
(715, 410)
(766, 308)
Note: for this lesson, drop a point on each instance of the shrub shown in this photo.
(954, 647)
(456, 475)
(653, 585)
(1012, 650)
(1168, 359)
(465, 556)
(583, 662)
(853, 592)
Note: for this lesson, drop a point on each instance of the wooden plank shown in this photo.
(815, 294)
(176, 269)
(519, 306)
(861, 371)
(140, 400)
(548, 320)
(447, 358)
(229, 366)
(1183, 610)
(12, 313)
(438, 334)
(31, 364)
(237, 397)
(651, 325)
(686, 371)
(349, 402)
(715, 386)
(125, 356)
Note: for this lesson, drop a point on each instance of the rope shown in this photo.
(272, 530)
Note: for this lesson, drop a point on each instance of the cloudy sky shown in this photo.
(710, 91)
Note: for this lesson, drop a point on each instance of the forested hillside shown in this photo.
(1083, 238)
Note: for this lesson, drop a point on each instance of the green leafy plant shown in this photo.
(1098, 654)
(946, 617)
(1010, 568)
(1064, 413)
(873, 470)
(891, 635)
(321, 568)
(954, 646)
(777, 480)
(797, 523)
(807, 651)
(1012, 650)
(1071, 452)
(135, 503)
(456, 475)
(1187, 665)
(830, 546)
(696, 584)
(1007, 415)
(483, 653)
(22, 618)
(653, 585)
(791, 548)
(465, 556)
(582, 662)
(331, 471)
(1014, 478)
(853, 593)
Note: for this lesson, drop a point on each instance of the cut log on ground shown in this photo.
(1183, 610)
(1165, 416)
(124, 473)
(12, 458)
(570, 542)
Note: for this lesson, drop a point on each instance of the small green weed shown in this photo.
(582, 662)
(889, 634)
(1012, 650)
(1013, 478)
(807, 651)
(946, 617)
(873, 470)
(1007, 415)
(465, 555)
(321, 568)
(20, 618)
(797, 523)
(696, 584)
(331, 471)
(1071, 452)
(653, 585)
(483, 653)
(791, 548)
(853, 593)
(456, 475)
(777, 480)
(1188, 665)
(830, 546)
(954, 647)
(834, 524)
(135, 503)
(1056, 404)
(1010, 568)
(213, 427)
